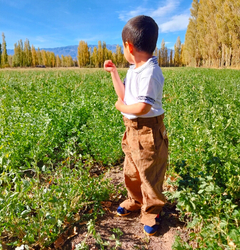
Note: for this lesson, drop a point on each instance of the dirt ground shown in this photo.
(132, 236)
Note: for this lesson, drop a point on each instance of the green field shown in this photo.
(57, 124)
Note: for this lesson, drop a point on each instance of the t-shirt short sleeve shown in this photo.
(149, 88)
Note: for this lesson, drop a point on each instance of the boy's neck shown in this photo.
(140, 58)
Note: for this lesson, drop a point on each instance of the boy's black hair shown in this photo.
(142, 32)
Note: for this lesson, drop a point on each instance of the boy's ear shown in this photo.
(130, 47)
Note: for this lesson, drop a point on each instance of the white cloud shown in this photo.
(178, 22)
(165, 10)
(167, 16)
(160, 12)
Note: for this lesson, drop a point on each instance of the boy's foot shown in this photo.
(121, 211)
(152, 230)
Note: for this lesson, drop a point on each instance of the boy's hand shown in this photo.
(109, 66)
(119, 103)
(139, 108)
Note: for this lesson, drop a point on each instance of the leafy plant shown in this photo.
(116, 236)
(55, 125)
(202, 113)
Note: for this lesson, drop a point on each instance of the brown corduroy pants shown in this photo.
(145, 145)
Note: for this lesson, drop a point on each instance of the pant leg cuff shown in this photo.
(131, 205)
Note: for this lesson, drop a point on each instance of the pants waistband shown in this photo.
(136, 122)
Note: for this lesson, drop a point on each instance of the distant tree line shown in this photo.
(27, 56)
(213, 34)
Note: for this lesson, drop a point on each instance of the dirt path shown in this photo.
(132, 230)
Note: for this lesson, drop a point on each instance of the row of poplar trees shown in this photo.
(27, 56)
(213, 34)
(87, 57)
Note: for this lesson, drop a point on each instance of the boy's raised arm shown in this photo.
(109, 66)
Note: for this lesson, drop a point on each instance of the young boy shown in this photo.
(145, 141)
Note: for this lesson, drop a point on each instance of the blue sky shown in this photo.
(57, 23)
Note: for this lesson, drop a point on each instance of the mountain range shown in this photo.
(68, 50)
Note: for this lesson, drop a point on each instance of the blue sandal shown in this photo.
(121, 211)
(152, 230)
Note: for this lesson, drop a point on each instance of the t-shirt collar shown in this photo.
(152, 60)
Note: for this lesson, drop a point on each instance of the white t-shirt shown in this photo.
(145, 84)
